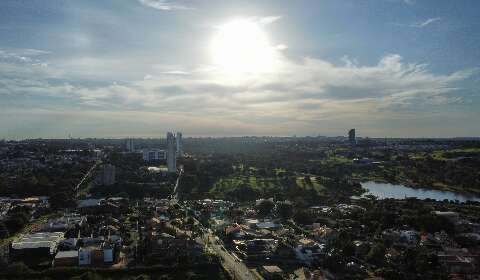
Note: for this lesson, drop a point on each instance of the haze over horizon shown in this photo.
(138, 68)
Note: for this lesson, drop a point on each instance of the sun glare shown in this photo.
(241, 47)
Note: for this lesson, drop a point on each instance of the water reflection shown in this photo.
(386, 190)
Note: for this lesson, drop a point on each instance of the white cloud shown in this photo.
(176, 72)
(22, 55)
(407, 2)
(426, 22)
(269, 19)
(301, 94)
(163, 5)
(420, 24)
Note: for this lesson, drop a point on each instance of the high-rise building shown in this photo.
(171, 153)
(106, 175)
(351, 137)
(130, 145)
(179, 144)
(153, 154)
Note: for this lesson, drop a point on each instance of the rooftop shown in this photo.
(66, 254)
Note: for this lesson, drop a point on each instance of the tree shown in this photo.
(60, 200)
(242, 193)
(3, 186)
(285, 210)
(18, 268)
(43, 180)
(265, 207)
(122, 194)
(303, 217)
(3, 231)
(235, 214)
(16, 222)
(90, 275)
(376, 255)
(388, 273)
(308, 180)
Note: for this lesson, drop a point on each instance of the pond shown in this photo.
(386, 190)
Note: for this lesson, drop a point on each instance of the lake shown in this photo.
(386, 190)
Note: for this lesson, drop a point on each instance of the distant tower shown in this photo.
(130, 145)
(351, 137)
(171, 153)
(179, 145)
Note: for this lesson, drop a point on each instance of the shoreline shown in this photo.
(410, 184)
(468, 196)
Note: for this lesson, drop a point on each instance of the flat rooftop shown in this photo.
(66, 254)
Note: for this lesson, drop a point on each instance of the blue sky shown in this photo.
(119, 68)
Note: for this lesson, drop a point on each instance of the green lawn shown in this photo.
(279, 170)
(315, 184)
(441, 154)
(262, 184)
(228, 183)
(333, 160)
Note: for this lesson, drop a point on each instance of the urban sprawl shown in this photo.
(240, 208)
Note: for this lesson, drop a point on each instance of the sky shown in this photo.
(139, 68)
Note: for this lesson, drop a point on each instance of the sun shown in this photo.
(241, 47)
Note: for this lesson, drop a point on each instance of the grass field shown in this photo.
(262, 184)
(444, 154)
(314, 183)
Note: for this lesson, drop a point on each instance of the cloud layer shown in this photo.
(298, 96)
(163, 5)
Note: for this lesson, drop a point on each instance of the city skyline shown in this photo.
(138, 68)
(246, 140)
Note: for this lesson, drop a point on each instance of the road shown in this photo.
(174, 193)
(235, 266)
(77, 187)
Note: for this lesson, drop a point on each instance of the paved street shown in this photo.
(89, 172)
(235, 266)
